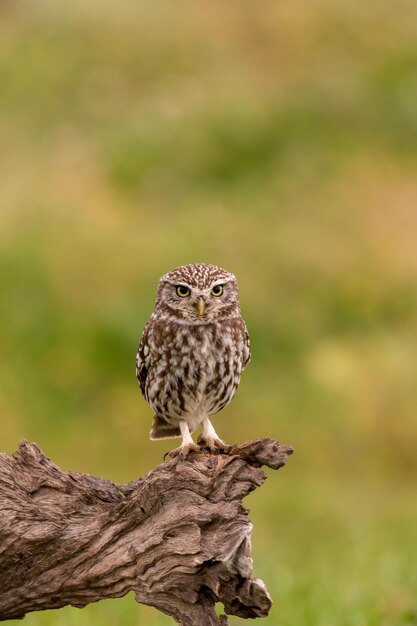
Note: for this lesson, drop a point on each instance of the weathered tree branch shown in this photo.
(179, 537)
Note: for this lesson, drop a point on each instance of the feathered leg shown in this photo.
(209, 438)
(187, 445)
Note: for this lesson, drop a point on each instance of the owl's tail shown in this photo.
(162, 430)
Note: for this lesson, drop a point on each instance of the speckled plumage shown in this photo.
(192, 353)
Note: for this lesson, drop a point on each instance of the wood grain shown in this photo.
(178, 537)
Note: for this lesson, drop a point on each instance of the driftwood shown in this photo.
(179, 537)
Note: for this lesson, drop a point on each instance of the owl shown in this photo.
(191, 354)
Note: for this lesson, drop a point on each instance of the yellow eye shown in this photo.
(182, 291)
(217, 290)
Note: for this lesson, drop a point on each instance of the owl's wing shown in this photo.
(143, 358)
(246, 346)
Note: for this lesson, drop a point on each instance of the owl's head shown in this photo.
(197, 293)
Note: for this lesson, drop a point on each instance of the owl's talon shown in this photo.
(183, 451)
(214, 444)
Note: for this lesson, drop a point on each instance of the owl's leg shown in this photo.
(209, 439)
(187, 445)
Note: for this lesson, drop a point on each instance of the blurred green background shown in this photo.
(278, 140)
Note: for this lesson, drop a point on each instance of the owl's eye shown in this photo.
(217, 290)
(183, 291)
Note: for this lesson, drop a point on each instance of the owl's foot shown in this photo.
(214, 444)
(209, 439)
(187, 444)
(183, 451)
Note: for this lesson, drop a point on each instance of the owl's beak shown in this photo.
(201, 305)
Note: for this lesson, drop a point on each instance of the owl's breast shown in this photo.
(194, 370)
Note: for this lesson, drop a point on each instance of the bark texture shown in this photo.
(179, 537)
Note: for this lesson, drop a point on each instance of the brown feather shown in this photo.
(162, 430)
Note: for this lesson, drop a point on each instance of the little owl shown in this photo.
(192, 353)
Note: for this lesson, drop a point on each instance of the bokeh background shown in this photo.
(278, 140)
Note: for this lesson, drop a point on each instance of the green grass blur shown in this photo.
(279, 141)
